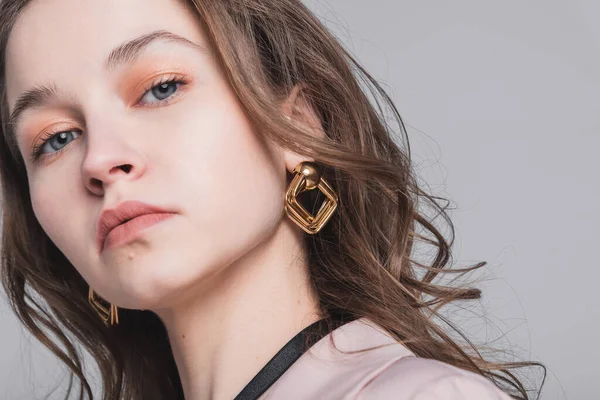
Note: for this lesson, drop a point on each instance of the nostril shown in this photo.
(126, 167)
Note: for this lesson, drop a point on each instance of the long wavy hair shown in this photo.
(360, 264)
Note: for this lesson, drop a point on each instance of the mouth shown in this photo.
(121, 224)
(131, 229)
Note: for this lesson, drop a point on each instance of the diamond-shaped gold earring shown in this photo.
(308, 177)
(108, 312)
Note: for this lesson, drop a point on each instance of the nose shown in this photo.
(110, 157)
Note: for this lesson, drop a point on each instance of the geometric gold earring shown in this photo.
(108, 312)
(307, 177)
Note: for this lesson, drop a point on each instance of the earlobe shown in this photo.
(293, 159)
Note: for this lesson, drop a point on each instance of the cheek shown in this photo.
(64, 221)
(44, 204)
(58, 217)
(234, 182)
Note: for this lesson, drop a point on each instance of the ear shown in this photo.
(297, 109)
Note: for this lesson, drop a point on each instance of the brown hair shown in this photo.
(360, 264)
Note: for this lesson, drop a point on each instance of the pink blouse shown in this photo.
(387, 372)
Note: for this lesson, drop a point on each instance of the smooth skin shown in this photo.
(227, 274)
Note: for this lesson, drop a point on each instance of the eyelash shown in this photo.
(37, 150)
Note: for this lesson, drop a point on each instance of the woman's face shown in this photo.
(185, 146)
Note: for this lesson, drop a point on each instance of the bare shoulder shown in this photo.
(424, 379)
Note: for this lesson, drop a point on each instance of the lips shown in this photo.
(111, 218)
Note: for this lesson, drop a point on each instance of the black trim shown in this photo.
(287, 355)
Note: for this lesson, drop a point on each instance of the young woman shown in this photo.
(202, 195)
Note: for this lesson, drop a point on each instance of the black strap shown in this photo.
(288, 354)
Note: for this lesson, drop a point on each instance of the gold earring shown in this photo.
(109, 314)
(308, 177)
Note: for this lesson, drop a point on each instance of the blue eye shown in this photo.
(62, 139)
(163, 90)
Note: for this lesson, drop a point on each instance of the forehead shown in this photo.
(68, 40)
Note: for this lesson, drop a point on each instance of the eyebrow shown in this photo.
(126, 52)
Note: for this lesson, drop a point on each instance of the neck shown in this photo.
(228, 329)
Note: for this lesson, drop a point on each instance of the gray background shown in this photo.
(501, 103)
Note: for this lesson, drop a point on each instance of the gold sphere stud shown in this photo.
(311, 174)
